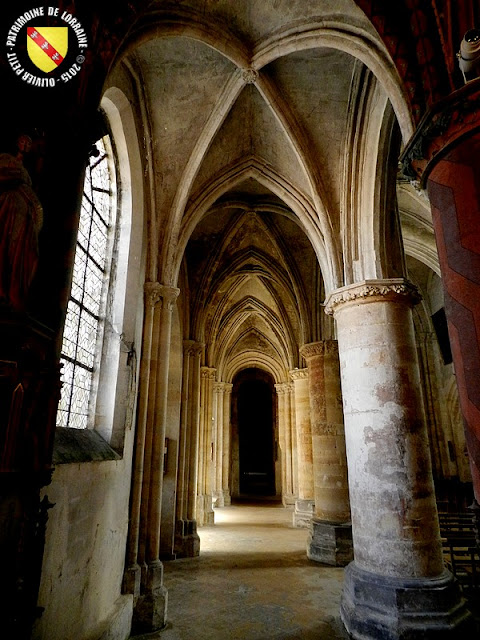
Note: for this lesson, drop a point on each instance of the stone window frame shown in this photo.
(111, 428)
(98, 223)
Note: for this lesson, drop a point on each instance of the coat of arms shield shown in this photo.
(47, 46)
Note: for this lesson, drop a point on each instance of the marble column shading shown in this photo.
(330, 539)
(397, 586)
(187, 541)
(144, 574)
(455, 201)
(303, 512)
(205, 513)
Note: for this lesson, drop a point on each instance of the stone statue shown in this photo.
(21, 218)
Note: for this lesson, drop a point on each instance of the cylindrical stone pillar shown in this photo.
(280, 389)
(219, 390)
(398, 568)
(181, 498)
(227, 400)
(303, 512)
(293, 438)
(205, 513)
(285, 440)
(330, 539)
(290, 447)
(187, 542)
(193, 431)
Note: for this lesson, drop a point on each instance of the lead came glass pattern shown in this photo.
(88, 284)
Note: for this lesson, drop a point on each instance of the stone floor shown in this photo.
(252, 581)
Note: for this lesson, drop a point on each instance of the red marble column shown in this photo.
(453, 189)
(443, 155)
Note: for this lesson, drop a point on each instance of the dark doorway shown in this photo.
(255, 414)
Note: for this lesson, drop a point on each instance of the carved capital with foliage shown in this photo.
(391, 290)
(299, 374)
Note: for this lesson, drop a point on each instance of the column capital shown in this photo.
(219, 387)
(299, 374)
(281, 387)
(156, 292)
(388, 290)
(192, 348)
(321, 348)
(208, 372)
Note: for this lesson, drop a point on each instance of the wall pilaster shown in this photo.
(144, 575)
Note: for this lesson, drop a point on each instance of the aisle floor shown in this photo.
(252, 581)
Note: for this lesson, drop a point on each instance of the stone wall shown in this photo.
(85, 551)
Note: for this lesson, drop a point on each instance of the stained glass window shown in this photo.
(81, 347)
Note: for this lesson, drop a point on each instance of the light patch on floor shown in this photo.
(252, 581)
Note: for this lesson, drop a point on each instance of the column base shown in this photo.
(303, 514)
(219, 499)
(187, 540)
(330, 543)
(205, 514)
(132, 580)
(288, 500)
(150, 610)
(379, 607)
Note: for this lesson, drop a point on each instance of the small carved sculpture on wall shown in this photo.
(21, 218)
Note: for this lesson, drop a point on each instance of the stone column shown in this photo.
(303, 512)
(280, 389)
(293, 436)
(218, 390)
(330, 538)
(146, 505)
(194, 433)
(284, 391)
(398, 568)
(205, 459)
(290, 446)
(132, 576)
(187, 541)
(227, 400)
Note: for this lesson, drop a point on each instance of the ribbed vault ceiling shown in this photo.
(247, 118)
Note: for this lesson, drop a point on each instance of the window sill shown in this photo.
(81, 445)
